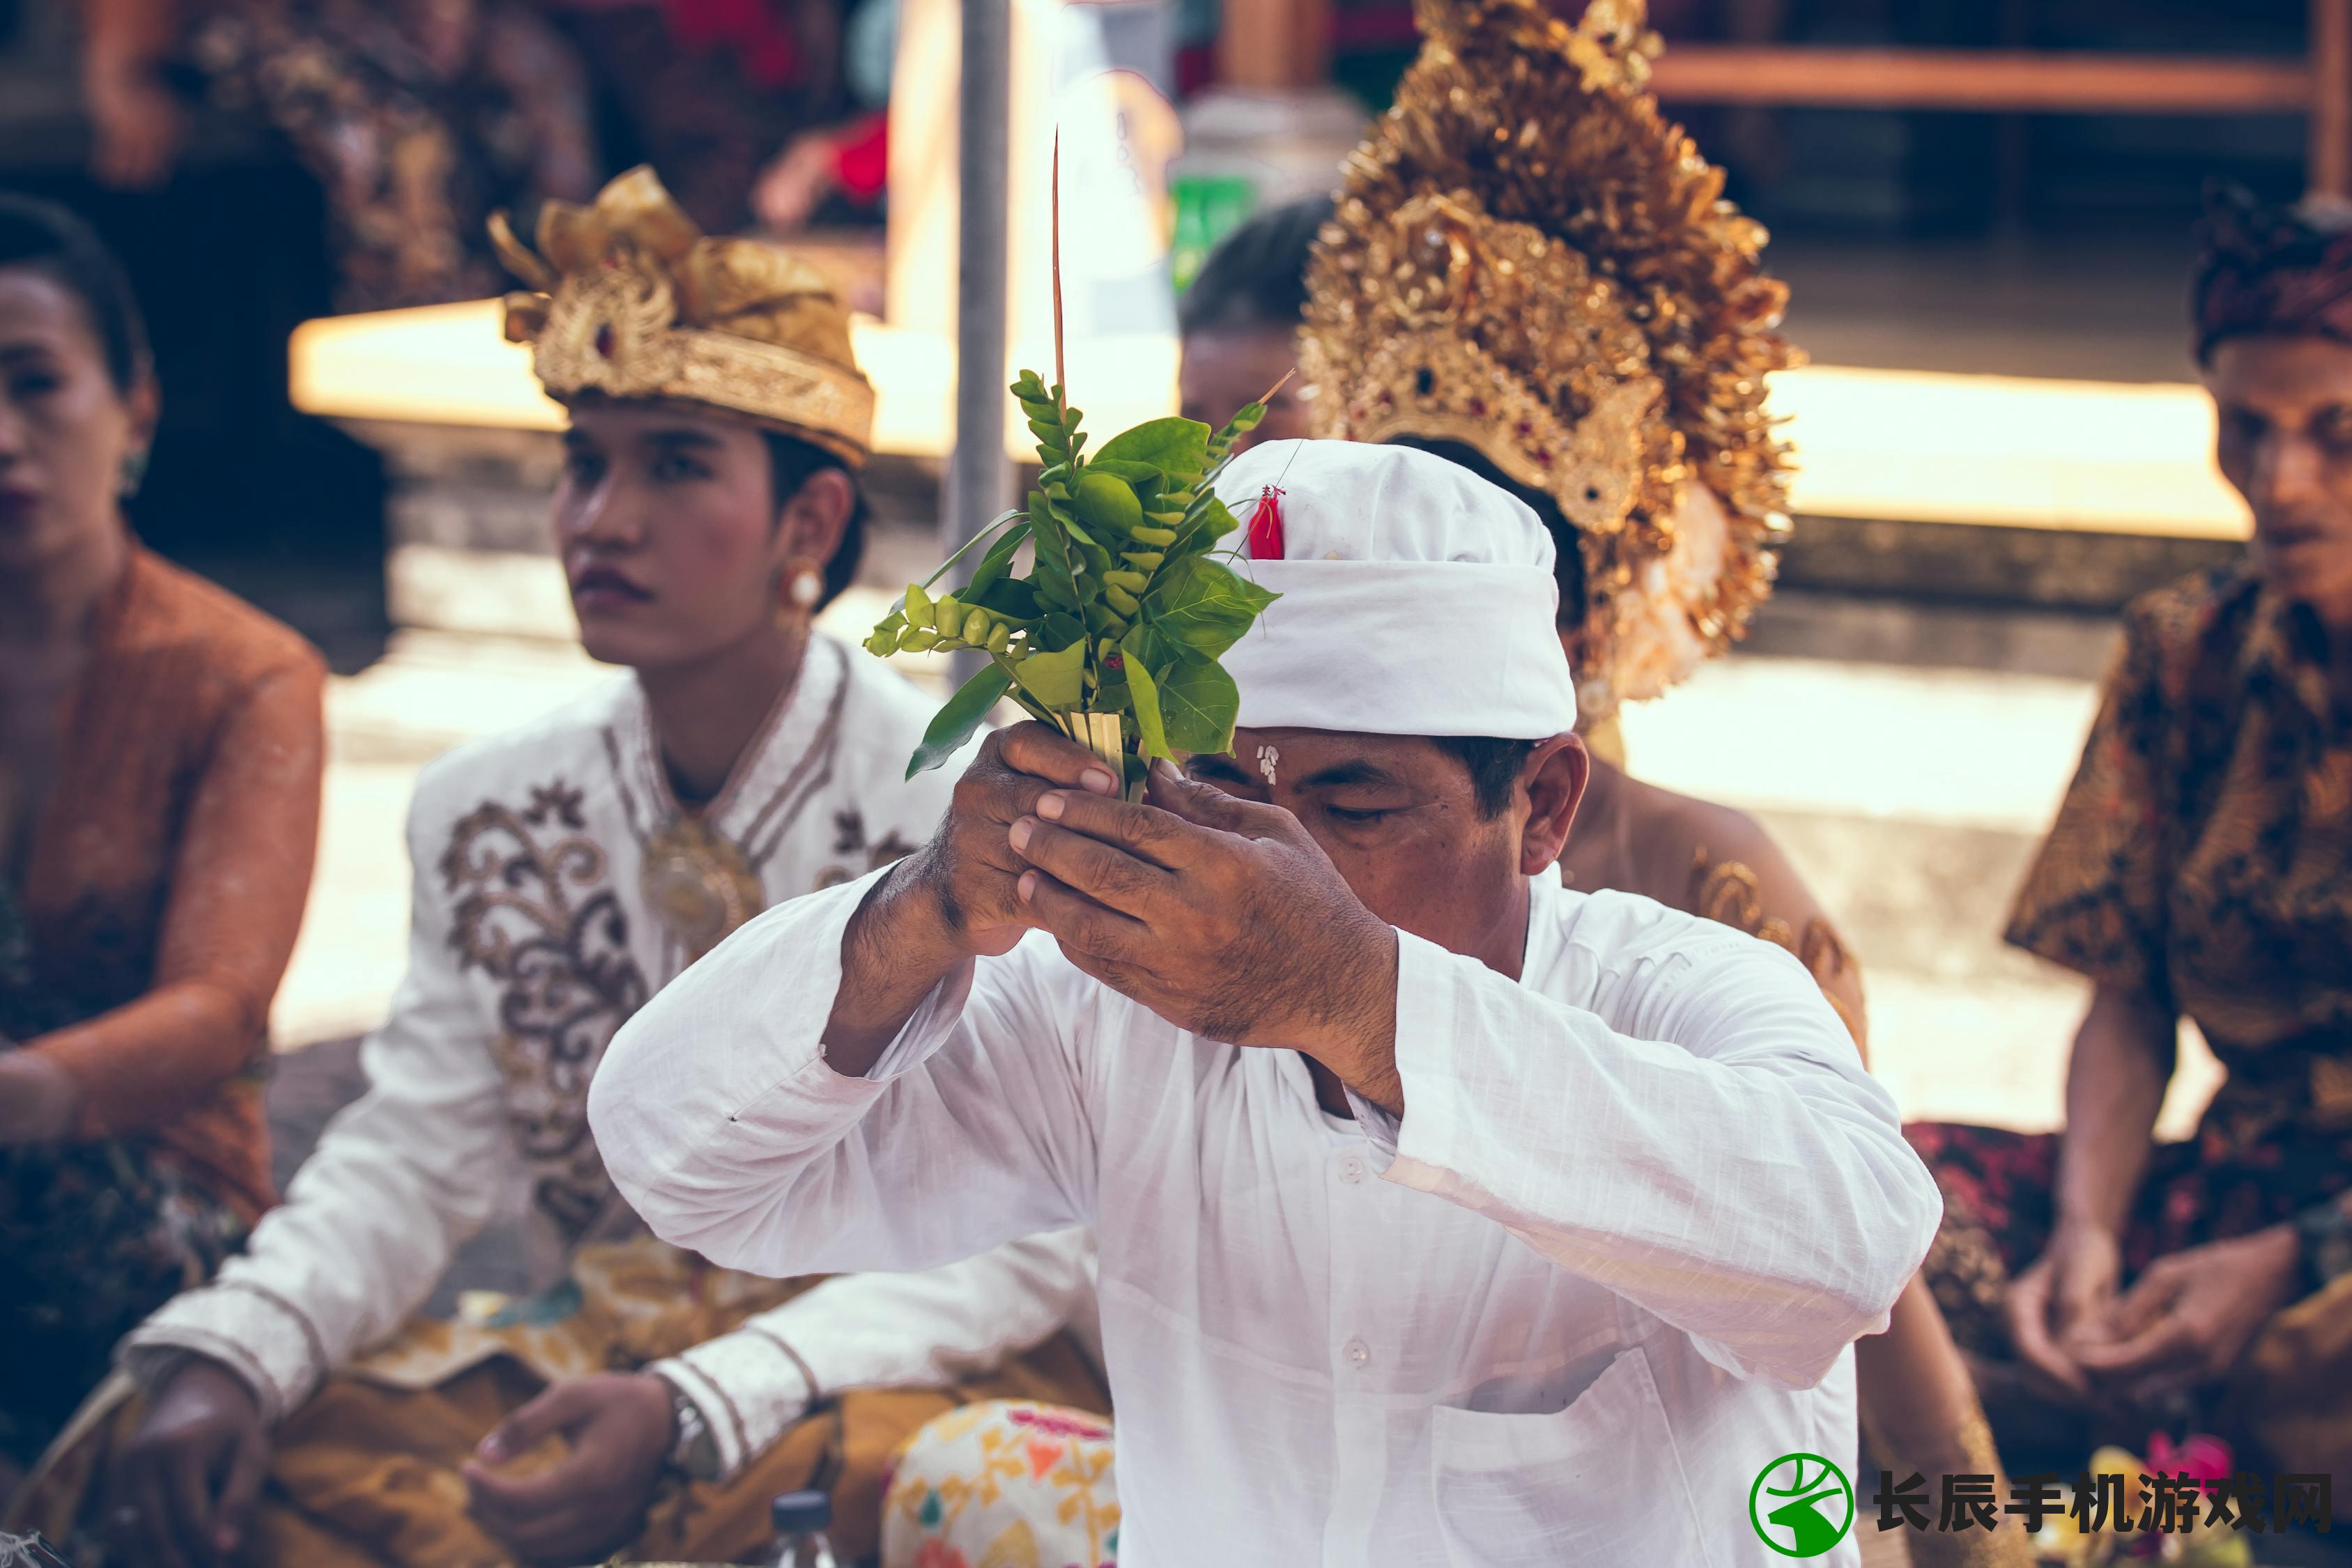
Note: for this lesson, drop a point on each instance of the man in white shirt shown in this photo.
(1445, 1214)
(298, 1412)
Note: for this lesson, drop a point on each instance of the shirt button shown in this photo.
(1358, 1355)
(1352, 1170)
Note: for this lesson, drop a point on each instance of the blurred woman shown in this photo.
(2200, 867)
(160, 754)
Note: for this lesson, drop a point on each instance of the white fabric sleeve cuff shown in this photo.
(927, 1029)
(747, 1387)
(254, 1332)
(1380, 1130)
(1427, 975)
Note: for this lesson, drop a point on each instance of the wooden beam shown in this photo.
(1274, 46)
(1994, 79)
(2327, 169)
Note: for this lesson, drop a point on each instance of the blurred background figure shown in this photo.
(2200, 866)
(709, 91)
(841, 169)
(1239, 323)
(161, 746)
(418, 118)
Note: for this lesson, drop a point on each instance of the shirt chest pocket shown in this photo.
(1597, 1482)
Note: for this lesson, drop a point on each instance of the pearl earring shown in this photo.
(797, 592)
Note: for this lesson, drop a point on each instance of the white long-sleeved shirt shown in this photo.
(533, 937)
(1606, 1269)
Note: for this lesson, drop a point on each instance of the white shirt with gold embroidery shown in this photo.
(532, 941)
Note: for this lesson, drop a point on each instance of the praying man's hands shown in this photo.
(2061, 1298)
(2186, 1321)
(594, 1500)
(1220, 915)
(954, 900)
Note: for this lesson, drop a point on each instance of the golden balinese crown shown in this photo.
(1526, 258)
(634, 301)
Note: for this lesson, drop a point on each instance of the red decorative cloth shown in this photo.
(861, 159)
(1265, 543)
(758, 32)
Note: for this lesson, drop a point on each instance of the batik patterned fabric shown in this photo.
(2203, 857)
(1007, 1484)
(416, 121)
(372, 1465)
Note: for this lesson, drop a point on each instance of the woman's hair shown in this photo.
(1568, 558)
(792, 463)
(48, 240)
(1257, 276)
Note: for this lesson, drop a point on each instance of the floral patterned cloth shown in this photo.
(370, 1468)
(93, 1237)
(1007, 1484)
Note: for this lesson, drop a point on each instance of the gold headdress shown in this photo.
(633, 301)
(1526, 259)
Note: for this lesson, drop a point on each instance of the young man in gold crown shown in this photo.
(294, 1412)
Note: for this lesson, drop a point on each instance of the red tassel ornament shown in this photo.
(1265, 525)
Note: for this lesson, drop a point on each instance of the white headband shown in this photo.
(1417, 599)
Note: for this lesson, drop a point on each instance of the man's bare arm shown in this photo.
(951, 901)
(898, 948)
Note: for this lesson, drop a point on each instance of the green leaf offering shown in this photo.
(1113, 635)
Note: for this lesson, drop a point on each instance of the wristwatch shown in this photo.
(2324, 1233)
(695, 1454)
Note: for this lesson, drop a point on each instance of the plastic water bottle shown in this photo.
(801, 1520)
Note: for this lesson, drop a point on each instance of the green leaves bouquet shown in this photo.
(1113, 634)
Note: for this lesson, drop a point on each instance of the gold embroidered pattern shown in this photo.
(632, 300)
(535, 912)
(849, 841)
(1525, 257)
(699, 884)
(1730, 892)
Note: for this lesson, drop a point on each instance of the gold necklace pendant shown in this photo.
(699, 884)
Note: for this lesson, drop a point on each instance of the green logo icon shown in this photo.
(1801, 1505)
